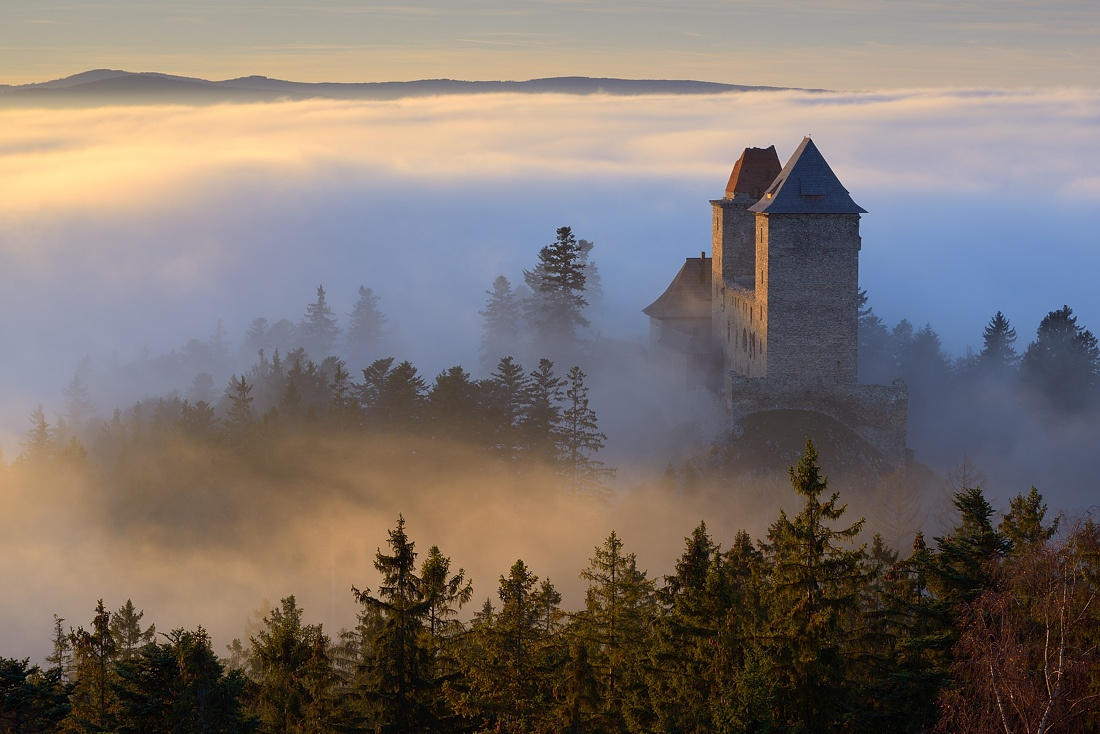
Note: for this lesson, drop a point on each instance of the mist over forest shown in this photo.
(169, 400)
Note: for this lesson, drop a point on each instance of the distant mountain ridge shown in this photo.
(116, 86)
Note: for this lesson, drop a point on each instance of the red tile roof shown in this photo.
(753, 172)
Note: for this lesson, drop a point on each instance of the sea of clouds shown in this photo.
(133, 228)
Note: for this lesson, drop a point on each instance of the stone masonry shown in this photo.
(784, 309)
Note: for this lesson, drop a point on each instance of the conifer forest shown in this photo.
(829, 615)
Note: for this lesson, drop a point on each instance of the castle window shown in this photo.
(744, 340)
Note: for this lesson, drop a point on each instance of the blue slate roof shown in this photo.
(806, 185)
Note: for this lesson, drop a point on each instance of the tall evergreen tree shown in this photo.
(507, 399)
(542, 415)
(453, 411)
(1063, 361)
(180, 686)
(998, 355)
(619, 607)
(580, 438)
(239, 417)
(557, 283)
(319, 330)
(94, 654)
(501, 326)
(816, 577)
(1023, 526)
(395, 677)
(127, 632)
(366, 324)
(32, 700)
(288, 661)
(61, 653)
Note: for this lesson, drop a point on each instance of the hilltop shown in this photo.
(100, 86)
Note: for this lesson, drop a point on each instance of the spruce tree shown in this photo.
(1023, 526)
(507, 399)
(395, 676)
(998, 355)
(1063, 362)
(319, 330)
(127, 631)
(619, 608)
(240, 416)
(557, 282)
(580, 439)
(681, 681)
(61, 654)
(501, 325)
(94, 654)
(291, 679)
(816, 575)
(542, 414)
(453, 412)
(366, 323)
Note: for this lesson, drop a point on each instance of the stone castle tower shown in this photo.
(783, 299)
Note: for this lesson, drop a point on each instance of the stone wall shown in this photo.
(732, 240)
(877, 413)
(807, 268)
(736, 313)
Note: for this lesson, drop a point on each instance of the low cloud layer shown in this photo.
(123, 229)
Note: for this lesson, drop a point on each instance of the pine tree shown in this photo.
(94, 653)
(1023, 526)
(619, 607)
(399, 399)
(288, 662)
(541, 420)
(681, 682)
(580, 439)
(395, 677)
(507, 398)
(557, 283)
(319, 330)
(32, 700)
(510, 663)
(240, 416)
(38, 443)
(179, 685)
(501, 325)
(366, 323)
(127, 632)
(593, 283)
(61, 655)
(1063, 362)
(998, 355)
(453, 411)
(876, 363)
(816, 580)
(446, 592)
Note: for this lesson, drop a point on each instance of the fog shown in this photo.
(124, 232)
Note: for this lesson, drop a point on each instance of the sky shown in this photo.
(836, 44)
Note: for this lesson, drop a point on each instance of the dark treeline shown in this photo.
(537, 418)
(544, 316)
(992, 627)
(1009, 399)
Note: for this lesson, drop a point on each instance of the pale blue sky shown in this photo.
(840, 44)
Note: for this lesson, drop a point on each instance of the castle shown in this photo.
(776, 305)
